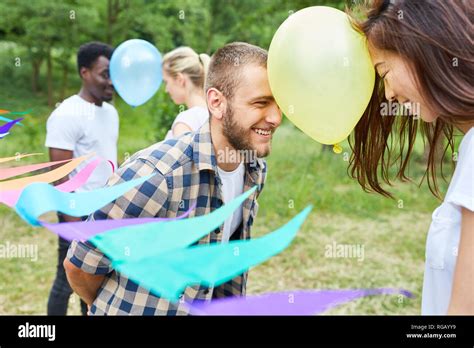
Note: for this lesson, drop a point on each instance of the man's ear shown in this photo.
(216, 102)
(84, 72)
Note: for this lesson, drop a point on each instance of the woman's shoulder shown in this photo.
(193, 117)
(194, 111)
(461, 187)
(467, 143)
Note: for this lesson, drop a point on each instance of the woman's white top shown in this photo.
(194, 118)
(443, 236)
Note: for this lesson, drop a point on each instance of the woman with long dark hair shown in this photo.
(423, 53)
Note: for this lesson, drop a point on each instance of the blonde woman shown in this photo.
(184, 73)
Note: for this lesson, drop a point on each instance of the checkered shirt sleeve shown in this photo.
(145, 200)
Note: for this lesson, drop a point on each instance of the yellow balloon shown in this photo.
(320, 73)
(337, 148)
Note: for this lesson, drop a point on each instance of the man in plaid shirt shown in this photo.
(208, 168)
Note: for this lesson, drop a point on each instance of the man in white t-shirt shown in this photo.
(82, 124)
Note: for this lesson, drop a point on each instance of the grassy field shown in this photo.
(391, 232)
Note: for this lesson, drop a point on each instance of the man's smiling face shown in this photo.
(97, 79)
(252, 115)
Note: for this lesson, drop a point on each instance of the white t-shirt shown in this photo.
(443, 237)
(232, 186)
(84, 128)
(194, 118)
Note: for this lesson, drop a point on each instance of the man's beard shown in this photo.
(237, 136)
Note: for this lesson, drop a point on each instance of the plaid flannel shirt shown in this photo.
(186, 174)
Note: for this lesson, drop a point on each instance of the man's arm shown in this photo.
(60, 155)
(85, 265)
(84, 284)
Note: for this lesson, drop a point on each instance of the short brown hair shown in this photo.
(226, 63)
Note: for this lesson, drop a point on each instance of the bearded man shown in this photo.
(209, 168)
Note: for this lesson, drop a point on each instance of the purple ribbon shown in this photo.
(84, 230)
(298, 302)
(6, 127)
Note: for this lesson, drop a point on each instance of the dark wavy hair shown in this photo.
(431, 35)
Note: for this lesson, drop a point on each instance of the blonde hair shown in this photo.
(186, 61)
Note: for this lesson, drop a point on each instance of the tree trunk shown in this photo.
(65, 82)
(49, 74)
(113, 10)
(210, 36)
(326, 148)
(35, 74)
(108, 35)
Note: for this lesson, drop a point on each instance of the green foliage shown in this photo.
(42, 28)
(35, 32)
(144, 125)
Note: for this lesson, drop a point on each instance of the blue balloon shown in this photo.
(135, 71)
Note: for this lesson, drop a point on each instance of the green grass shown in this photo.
(393, 235)
(392, 232)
